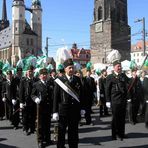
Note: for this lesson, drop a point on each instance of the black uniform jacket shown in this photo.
(136, 91)
(116, 88)
(25, 89)
(64, 103)
(145, 88)
(43, 92)
(9, 90)
(102, 87)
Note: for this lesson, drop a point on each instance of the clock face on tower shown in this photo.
(98, 27)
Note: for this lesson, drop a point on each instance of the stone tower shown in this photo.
(18, 27)
(4, 23)
(36, 21)
(109, 30)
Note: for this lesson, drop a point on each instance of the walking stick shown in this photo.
(55, 132)
(37, 117)
(5, 106)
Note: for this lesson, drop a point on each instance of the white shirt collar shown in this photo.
(116, 73)
(68, 77)
(43, 81)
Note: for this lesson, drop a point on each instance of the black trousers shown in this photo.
(43, 124)
(118, 120)
(133, 108)
(15, 115)
(72, 123)
(29, 116)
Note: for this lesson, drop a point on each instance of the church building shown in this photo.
(109, 30)
(20, 39)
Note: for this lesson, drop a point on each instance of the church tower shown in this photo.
(4, 23)
(36, 22)
(109, 30)
(18, 27)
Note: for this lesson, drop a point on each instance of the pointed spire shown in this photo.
(4, 12)
(4, 23)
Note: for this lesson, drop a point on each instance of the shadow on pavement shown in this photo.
(92, 129)
(95, 140)
(7, 146)
(6, 127)
(140, 146)
(3, 139)
(137, 135)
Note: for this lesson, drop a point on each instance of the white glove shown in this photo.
(108, 104)
(37, 101)
(147, 101)
(21, 105)
(55, 116)
(82, 112)
(13, 101)
(129, 100)
(4, 99)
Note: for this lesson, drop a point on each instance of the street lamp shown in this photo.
(143, 33)
(47, 38)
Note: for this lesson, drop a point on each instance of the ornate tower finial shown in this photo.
(36, 2)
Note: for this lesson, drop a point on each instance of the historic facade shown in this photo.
(137, 52)
(81, 56)
(109, 30)
(21, 39)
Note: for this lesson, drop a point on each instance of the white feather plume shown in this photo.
(113, 56)
(62, 54)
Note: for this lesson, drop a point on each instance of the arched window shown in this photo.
(99, 13)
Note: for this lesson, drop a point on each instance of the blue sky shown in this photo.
(68, 21)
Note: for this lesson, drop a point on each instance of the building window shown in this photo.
(99, 13)
(141, 54)
(137, 54)
(31, 42)
(27, 41)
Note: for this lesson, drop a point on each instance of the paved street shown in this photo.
(90, 136)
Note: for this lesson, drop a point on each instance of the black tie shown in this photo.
(70, 79)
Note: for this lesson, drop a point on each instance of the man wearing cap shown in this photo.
(135, 96)
(17, 79)
(89, 89)
(67, 105)
(42, 96)
(26, 103)
(102, 87)
(9, 97)
(116, 91)
(2, 79)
